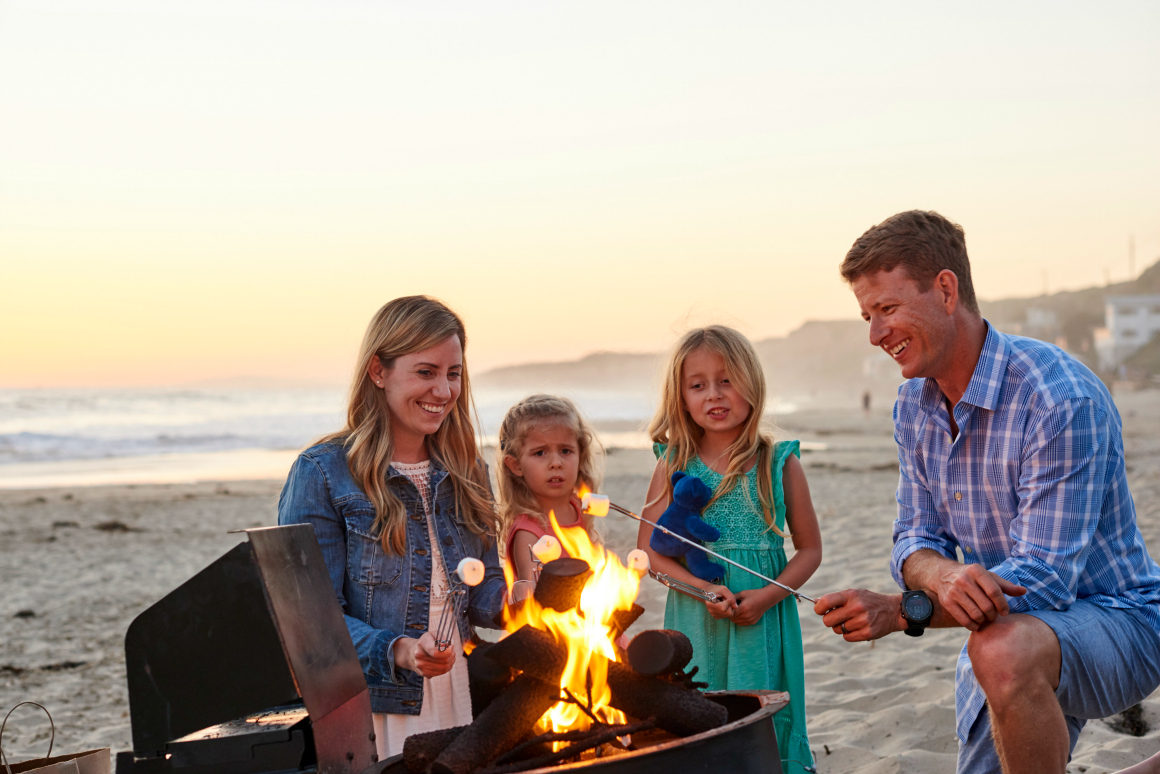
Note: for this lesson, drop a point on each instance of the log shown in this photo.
(487, 677)
(678, 710)
(561, 581)
(507, 720)
(532, 651)
(622, 619)
(659, 652)
(421, 750)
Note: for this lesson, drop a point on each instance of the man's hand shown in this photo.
(859, 614)
(972, 595)
(422, 656)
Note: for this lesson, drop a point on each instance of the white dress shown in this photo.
(446, 698)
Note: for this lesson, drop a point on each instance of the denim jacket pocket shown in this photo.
(367, 563)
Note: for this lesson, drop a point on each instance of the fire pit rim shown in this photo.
(769, 702)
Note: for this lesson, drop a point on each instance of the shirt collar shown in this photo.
(986, 381)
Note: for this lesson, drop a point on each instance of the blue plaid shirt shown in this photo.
(1033, 487)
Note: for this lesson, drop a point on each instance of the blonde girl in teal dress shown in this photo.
(707, 426)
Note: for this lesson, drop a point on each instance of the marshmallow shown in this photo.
(638, 561)
(547, 549)
(595, 504)
(470, 571)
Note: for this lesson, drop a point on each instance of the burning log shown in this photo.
(622, 619)
(532, 651)
(585, 740)
(561, 581)
(507, 720)
(659, 652)
(487, 676)
(678, 710)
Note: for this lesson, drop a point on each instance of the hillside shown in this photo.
(1079, 312)
(829, 362)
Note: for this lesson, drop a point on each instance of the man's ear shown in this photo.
(513, 466)
(946, 282)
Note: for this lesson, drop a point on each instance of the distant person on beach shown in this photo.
(546, 453)
(1011, 454)
(709, 426)
(397, 498)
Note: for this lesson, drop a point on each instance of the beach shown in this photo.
(79, 563)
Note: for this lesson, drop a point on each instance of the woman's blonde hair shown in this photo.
(673, 426)
(402, 327)
(514, 496)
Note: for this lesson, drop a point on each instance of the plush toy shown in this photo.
(683, 516)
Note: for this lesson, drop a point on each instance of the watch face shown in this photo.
(917, 607)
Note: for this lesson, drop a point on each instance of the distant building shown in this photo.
(1130, 323)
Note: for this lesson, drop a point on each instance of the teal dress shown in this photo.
(767, 654)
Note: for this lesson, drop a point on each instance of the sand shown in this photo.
(78, 564)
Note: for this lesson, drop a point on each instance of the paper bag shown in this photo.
(88, 762)
(91, 761)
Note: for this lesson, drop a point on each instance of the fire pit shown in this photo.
(564, 695)
(248, 669)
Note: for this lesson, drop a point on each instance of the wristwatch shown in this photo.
(917, 609)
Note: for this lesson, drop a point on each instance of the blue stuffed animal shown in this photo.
(683, 516)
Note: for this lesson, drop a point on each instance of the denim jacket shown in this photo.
(386, 596)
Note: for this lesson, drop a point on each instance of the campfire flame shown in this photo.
(587, 631)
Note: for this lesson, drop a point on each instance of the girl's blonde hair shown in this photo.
(402, 327)
(540, 410)
(673, 426)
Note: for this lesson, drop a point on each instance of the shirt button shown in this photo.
(958, 495)
(419, 588)
(421, 551)
(446, 540)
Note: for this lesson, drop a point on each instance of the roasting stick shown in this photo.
(599, 505)
(470, 572)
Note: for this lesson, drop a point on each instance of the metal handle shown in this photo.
(686, 588)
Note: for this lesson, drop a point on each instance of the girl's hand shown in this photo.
(726, 608)
(422, 656)
(752, 604)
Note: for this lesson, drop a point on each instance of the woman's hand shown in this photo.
(422, 656)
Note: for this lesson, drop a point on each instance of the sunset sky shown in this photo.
(221, 189)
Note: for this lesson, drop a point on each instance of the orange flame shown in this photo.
(587, 630)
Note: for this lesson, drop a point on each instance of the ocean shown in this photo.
(85, 437)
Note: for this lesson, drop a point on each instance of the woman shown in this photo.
(397, 498)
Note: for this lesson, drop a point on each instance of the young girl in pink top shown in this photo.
(546, 454)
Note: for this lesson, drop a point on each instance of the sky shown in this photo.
(228, 189)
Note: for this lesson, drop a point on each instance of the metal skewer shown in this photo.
(590, 500)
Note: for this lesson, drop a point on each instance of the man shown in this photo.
(1011, 457)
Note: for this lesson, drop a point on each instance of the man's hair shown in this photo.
(923, 242)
